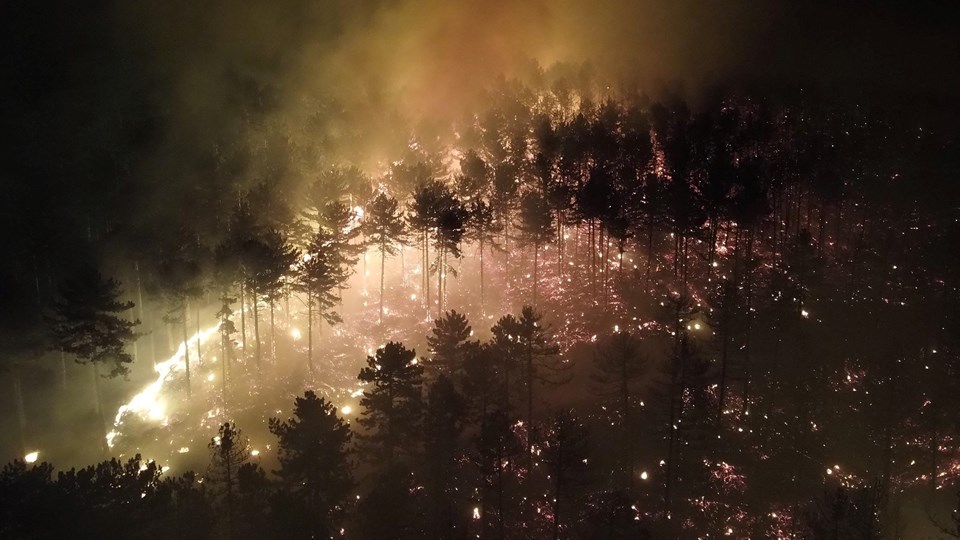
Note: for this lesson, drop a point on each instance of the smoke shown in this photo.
(127, 118)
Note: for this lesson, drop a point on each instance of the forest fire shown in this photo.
(149, 403)
(506, 270)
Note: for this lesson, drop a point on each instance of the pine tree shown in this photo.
(384, 228)
(484, 229)
(496, 447)
(474, 180)
(536, 228)
(313, 450)
(229, 451)
(450, 227)
(88, 322)
(392, 406)
(564, 456)
(448, 343)
(481, 378)
(226, 329)
(525, 343)
(443, 422)
(270, 260)
(422, 213)
(618, 366)
(319, 274)
(180, 271)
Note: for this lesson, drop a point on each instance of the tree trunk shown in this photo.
(256, 332)
(273, 332)
(136, 348)
(243, 319)
(649, 254)
(536, 255)
(223, 364)
(199, 354)
(529, 403)
(500, 495)
(99, 406)
(383, 259)
(483, 310)
(439, 283)
(309, 330)
(626, 427)
(748, 292)
(724, 342)
(186, 344)
(140, 313)
(557, 488)
(426, 270)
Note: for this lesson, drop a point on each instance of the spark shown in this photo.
(32, 456)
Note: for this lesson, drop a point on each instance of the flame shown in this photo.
(147, 404)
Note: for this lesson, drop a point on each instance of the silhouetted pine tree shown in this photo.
(313, 448)
(88, 322)
(229, 451)
(392, 405)
(448, 342)
(384, 228)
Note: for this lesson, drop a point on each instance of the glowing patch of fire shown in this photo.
(147, 403)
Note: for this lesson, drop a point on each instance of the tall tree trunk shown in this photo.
(309, 330)
(626, 427)
(536, 256)
(383, 262)
(273, 332)
(199, 354)
(223, 364)
(557, 490)
(228, 464)
(99, 405)
(243, 318)
(136, 348)
(141, 316)
(439, 282)
(256, 331)
(500, 508)
(426, 269)
(560, 246)
(529, 404)
(506, 248)
(724, 342)
(186, 344)
(748, 292)
(483, 310)
(649, 254)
